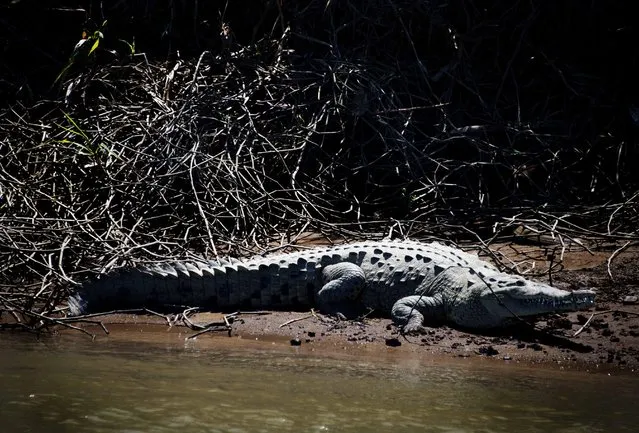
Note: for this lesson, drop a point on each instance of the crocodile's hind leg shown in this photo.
(411, 312)
(343, 283)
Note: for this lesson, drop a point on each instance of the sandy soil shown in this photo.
(609, 342)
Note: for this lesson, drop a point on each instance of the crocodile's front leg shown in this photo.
(411, 312)
(343, 283)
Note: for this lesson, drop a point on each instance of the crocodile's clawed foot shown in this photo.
(342, 311)
(411, 329)
(340, 316)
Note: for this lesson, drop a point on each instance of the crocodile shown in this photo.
(414, 283)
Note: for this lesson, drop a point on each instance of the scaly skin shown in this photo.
(414, 283)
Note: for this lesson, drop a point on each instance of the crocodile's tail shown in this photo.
(163, 286)
(219, 285)
(77, 304)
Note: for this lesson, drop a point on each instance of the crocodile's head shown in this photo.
(498, 300)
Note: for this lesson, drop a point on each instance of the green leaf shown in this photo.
(95, 45)
(131, 46)
(78, 130)
(62, 73)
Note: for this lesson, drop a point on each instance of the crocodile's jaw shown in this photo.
(533, 299)
(499, 300)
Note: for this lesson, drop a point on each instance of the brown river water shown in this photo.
(75, 385)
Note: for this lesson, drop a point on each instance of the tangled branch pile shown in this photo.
(445, 116)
